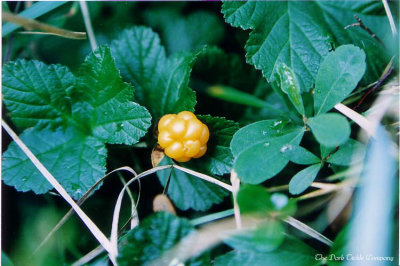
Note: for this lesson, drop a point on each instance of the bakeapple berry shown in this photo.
(182, 136)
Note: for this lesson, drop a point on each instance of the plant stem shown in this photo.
(88, 24)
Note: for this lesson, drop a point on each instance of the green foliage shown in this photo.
(291, 252)
(161, 82)
(187, 191)
(260, 144)
(292, 34)
(337, 77)
(351, 150)
(330, 129)
(156, 234)
(299, 155)
(87, 111)
(303, 179)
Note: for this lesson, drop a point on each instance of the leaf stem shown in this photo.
(88, 24)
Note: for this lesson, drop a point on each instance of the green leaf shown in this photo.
(115, 119)
(76, 161)
(338, 76)
(187, 191)
(351, 151)
(267, 153)
(303, 179)
(291, 252)
(339, 14)
(5, 260)
(290, 86)
(193, 31)
(257, 200)
(292, 34)
(218, 159)
(299, 155)
(161, 83)
(330, 129)
(154, 236)
(258, 132)
(266, 237)
(36, 94)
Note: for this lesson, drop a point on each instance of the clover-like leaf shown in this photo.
(303, 179)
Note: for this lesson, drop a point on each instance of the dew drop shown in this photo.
(266, 144)
(277, 123)
(286, 148)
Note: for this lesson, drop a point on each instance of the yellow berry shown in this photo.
(183, 136)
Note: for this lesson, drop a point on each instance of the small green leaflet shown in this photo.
(266, 152)
(350, 152)
(330, 129)
(77, 161)
(162, 84)
(72, 119)
(290, 86)
(299, 155)
(187, 191)
(338, 76)
(154, 236)
(292, 34)
(303, 179)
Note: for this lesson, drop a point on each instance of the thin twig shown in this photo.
(308, 230)
(360, 120)
(88, 257)
(235, 181)
(390, 17)
(31, 24)
(60, 189)
(362, 25)
(88, 24)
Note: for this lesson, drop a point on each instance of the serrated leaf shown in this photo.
(155, 235)
(339, 14)
(76, 161)
(299, 155)
(338, 76)
(114, 118)
(330, 129)
(35, 93)
(351, 151)
(193, 31)
(218, 159)
(187, 191)
(161, 83)
(258, 132)
(292, 34)
(291, 252)
(266, 153)
(290, 86)
(303, 179)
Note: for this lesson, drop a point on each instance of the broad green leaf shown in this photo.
(193, 31)
(264, 238)
(161, 83)
(299, 155)
(187, 191)
(218, 159)
(76, 161)
(292, 34)
(115, 118)
(290, 86)
(35, 93)
(303, 179)
(291, 252)
(258, 132)
(351, 151)
(265, 153)
(330, 129)
(339, 14)
(338, 76)
(155, 235)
